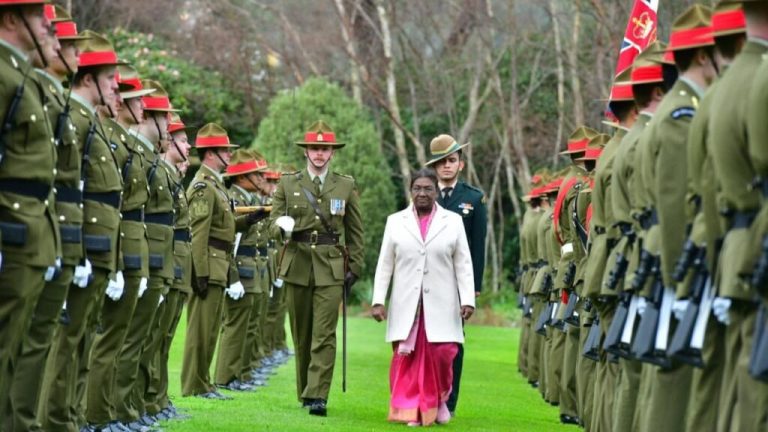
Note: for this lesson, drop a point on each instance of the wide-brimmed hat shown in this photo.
(65, 26)
(159, 101)
(728, 19)
(553, 186)
(537, 182)
(244, 162)
(175, 124)
(130, 84)
(692, 29)
(213, 136)
(10, 3)
(621, 90)
(96, 50)
(442, 146)
(320, 134)
(577, 142)
(648, 65)
(595, 147)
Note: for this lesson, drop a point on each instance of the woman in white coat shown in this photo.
(425, 255)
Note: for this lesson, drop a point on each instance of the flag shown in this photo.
(641, 31)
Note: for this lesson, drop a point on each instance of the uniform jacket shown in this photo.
(339, 203)
(182, 249)
(252, 268)
(438, 271)
(469, 203)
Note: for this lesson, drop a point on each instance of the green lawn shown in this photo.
(494, 397)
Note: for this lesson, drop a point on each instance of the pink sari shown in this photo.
(421, 373)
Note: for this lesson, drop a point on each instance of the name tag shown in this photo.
(337, 207)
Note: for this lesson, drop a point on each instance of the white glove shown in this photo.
(160, 300)
(142, 286)
(83, 274)
(236, 291)
(642, 303)
(278, 283)
(53, 271)
(116, 286)
(679, 307)
(720, 308)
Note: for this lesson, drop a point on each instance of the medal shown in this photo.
(337, 207)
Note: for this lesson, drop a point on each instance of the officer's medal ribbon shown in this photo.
(337, 207)
(466, 208)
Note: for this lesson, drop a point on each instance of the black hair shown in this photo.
(643, 93)
(425, 172)
(82, 72)
(728, 46)
(684, 58)
(201, 151)
(621, 109)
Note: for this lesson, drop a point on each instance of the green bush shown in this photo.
(290, 114)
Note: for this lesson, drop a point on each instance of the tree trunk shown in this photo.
(573, 65)
(560, 79)
(349, 45)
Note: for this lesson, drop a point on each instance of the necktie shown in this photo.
(447, 192)
(318, 185)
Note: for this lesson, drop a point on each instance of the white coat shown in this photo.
(439, 270)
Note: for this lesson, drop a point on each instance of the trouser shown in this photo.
(743, 399)
(174, 302)
(606, 377)
(232, 343)
(458, 365)
(667, 401)
(555, 365)
(522, 352)
(568, 394)
(254, 337)
(314, 314)
(585, 377)
(279, 340)
(534, 345)
(203, 321)
(115, 320)
(546, 348)
(70, 354)
(626, 395)
(706, 381)
(145, 394)
(131, 379)
(26, 385)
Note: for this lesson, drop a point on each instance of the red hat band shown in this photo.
(593, 153)
(175, 127)
(648, 74)
(272, 175)
(50, 11)
(728, 21)
(156, 103)
(135, 83)
(320, 137)
(553, 185)
(246, 167)
(691, 38)
(577, 146)
(66, 29)
(97, 58)
(619, 92)
(212, 141)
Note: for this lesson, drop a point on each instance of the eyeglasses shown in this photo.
(426, 190)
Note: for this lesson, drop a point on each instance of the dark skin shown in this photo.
(424, 195)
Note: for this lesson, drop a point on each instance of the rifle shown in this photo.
(241, 210)
(570, 274)
(758, 358)
(612, 342)
(345, 289)
(644, 345)
(760, 274)
(541, 321)
(617, 272)
(571, 316)
(681, 347)
(581, 231)
(643, 270)
(687, 258)
(591, 348)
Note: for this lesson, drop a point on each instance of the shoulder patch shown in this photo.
(344, 176)
(683, 112)
(199, 185)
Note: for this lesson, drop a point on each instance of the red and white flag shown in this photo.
(641, 31)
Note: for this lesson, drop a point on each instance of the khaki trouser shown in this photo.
(21, 409)
(254, 337)
(69, 357)
(522, 352)
(131, 378)
(115, 320)
(626, 395)
(585, 378)
(555, 365)
(157, 397)
(534, 344)
(203, 321)
(232, 343)
(568, 394)
(145, 394)
(314, 314)
(606, 377)
(706, 382)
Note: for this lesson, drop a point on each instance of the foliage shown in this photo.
(494, 397)
(200, 93)
(289, 115)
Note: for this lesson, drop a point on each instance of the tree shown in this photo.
(288, 116)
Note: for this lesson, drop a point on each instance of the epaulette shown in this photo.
(683, 112)
(344, 175)
(474, 188)
(290, 173)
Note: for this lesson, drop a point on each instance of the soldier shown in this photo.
(124, 286)
(213, 233)
(94, 85)
(175, 161)
(313, 263)
(243, 173)
(742, 399)
(469, 202)
(25, 389)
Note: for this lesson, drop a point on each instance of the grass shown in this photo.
(494, 397)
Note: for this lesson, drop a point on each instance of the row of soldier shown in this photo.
(645, 262)
(99, 239)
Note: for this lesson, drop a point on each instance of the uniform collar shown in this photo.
(244, 192)
(452, 185)
(15, 50)
(695, 87)
(169, 165)
(758, 41)
(53, 79)
(213, 173)
(143, 140)
(81, 100)
(322, 176)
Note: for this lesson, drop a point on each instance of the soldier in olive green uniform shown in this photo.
(123, 288)
(213, 234)
(742, 398)
(234, 350)
(174, 162)
(313, 261)
(20, 413)
(101, 182)
(133, 375)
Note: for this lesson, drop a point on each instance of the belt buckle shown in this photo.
(313, 238)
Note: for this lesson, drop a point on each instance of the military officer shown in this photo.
(234, 350)
(124, 286)
(94, 85)
(469, 202)
(325, 207)
(213, 233)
